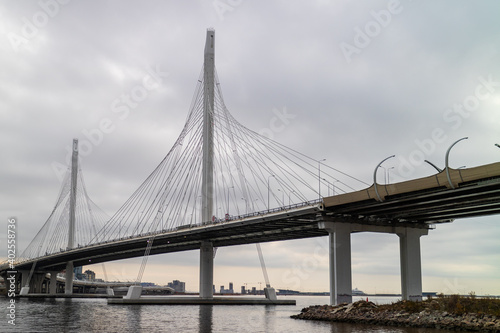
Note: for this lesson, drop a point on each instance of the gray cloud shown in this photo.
(388, 99)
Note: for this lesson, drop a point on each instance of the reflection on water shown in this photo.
(95, 315)
(205, 318)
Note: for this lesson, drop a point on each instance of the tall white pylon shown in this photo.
(68, 288)
(207, 187)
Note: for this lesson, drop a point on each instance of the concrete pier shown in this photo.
(340, 258)
(411, 268)
(53, 283)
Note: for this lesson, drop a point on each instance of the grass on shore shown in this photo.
(454, 304)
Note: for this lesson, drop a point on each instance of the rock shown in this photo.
(370, 313)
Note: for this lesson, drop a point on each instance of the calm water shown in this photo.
(95, 315)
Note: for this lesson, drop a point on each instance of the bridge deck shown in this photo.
(416, 203)
(426, 200)
(293, 223)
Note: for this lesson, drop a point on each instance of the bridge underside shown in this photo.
(430, 206)
(472, 192)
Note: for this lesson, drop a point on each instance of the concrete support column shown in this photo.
(36, 283)
(24, 277)
(340, 262)
(53, 283)
(411, 267)
(206, 270)
(341, 258)
(68, 287)
(24, 280)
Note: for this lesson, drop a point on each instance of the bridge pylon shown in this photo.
(207, 195)
(68, 287)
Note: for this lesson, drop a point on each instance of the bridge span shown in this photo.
(207, 168)
(407, 208)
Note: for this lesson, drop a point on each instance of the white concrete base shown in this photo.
(134, 292)
(110, 291)
(24, 291)
(270, 294)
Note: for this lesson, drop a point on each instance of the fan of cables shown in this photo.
(252, 173)
(54, 235)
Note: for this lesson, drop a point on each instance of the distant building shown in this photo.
(243, 290)
(89, 275)
(77, 271)
(254, 290)
(177, 286)
(227, 291)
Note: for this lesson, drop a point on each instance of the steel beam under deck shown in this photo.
(434, 206)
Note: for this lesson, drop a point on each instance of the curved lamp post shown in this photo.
(446, 161)
(375, 177)
(432, 164)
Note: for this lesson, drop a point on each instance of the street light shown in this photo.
(246, 205)
(446, 161)
(268, 190)
(330, 183)
(388, 180)
(319, 177)
(283, 197)
(228, 190)
(375, 176)
(433, 165)
(385, 174)
(289, 200)
(333, 186)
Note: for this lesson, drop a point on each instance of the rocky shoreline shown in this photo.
(370, 313)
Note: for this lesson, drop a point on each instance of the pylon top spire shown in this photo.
(208, 127)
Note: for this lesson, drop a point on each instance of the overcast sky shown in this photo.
(363, 79)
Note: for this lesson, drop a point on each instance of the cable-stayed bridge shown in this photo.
(223, 184)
